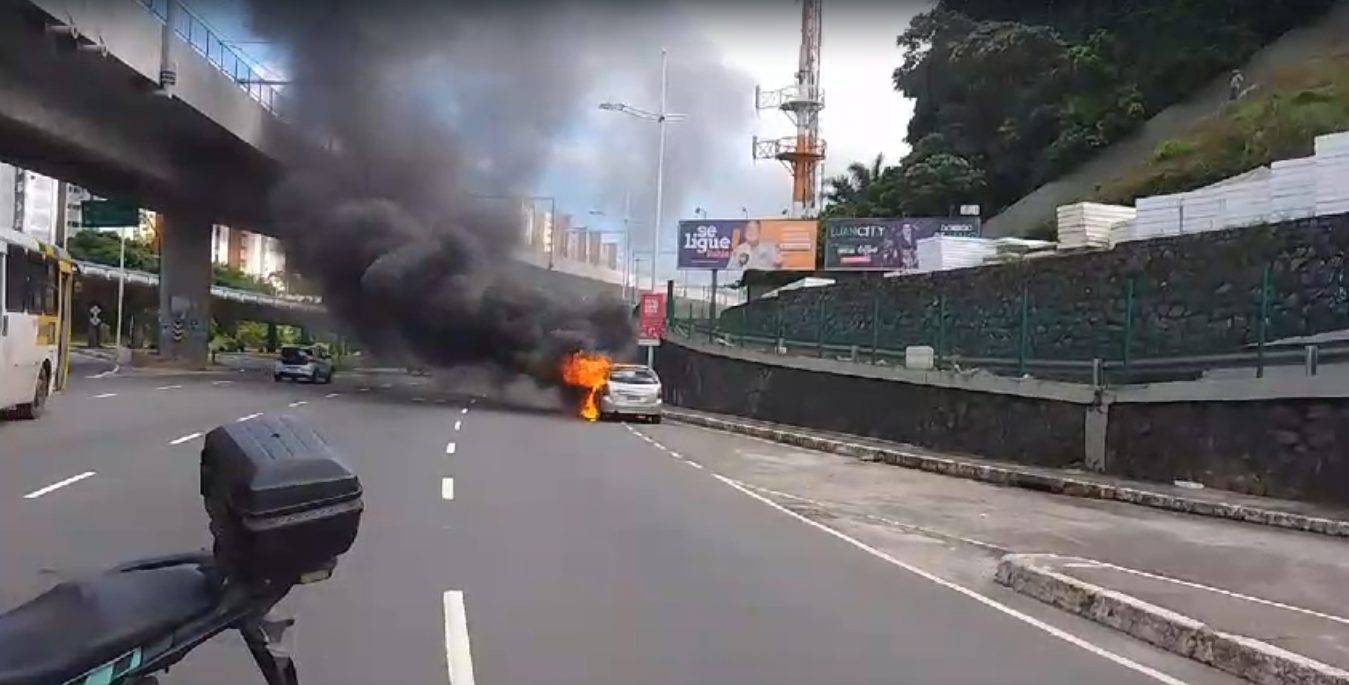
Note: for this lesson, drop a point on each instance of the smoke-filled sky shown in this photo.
(519, 84)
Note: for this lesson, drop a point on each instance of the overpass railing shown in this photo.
(294, 302)
(218, 52)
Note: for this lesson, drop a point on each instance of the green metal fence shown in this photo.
(1126, 329)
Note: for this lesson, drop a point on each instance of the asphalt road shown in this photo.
(580, 553)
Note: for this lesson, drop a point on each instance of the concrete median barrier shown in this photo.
(1034, 575)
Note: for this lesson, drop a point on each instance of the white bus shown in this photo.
(35, 291)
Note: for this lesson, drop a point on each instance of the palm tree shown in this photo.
(852, 187)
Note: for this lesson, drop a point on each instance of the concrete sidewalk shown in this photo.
(1268, 584)
(1204, 502)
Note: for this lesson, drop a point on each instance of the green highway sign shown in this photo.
(108, 214)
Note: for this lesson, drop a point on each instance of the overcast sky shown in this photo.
(591, 166)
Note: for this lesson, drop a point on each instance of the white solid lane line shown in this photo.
(58, 485)
(458, 656)
(450, 448)
(301, 403)
(986, 601)
(250, 417)
(105, 395)
(458, 425)
(447, 488)
(168, 387)
(185, 438)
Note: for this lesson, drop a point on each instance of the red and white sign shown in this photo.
(652, 326)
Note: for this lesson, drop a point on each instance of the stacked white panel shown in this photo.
(1292, 193)
(1332, 174)
(944, 252)
(1087, 224)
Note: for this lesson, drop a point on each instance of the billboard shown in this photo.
(748, 244)
(886, 244)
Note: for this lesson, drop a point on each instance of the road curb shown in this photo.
(1244, 657)
(1003, 475)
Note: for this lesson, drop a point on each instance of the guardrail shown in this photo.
(218, 52)
(1097, 372)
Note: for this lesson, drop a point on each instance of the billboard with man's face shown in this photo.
(886, 244)
(748, 244)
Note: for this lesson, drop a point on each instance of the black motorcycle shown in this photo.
(282, 508)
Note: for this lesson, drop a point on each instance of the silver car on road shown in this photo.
(633, 391)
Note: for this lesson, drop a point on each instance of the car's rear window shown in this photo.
(293, 355)
(635, 376)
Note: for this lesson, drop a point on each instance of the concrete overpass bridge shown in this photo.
(139, 100)
(98, 284)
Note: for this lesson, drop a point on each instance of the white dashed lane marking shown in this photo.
(447, 488)
(105, 395)
(168, 387)
(300, 403)
(458, 425)
(450, 448)
(250, 417)
(186, 438)
(222, 382)
(458, 656)
(58, 485)
(332, 395)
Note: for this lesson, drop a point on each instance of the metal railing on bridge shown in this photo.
(218, 52)
(293, 302)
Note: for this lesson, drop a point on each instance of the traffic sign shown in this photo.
(108, 214)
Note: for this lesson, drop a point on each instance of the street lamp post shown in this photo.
(660, 117)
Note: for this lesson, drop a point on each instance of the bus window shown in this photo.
(16, 281)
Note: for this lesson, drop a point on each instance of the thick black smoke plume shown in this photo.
(385, 220)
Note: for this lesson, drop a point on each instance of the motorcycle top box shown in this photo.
(282, 506)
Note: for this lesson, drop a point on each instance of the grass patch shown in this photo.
(1279, 121)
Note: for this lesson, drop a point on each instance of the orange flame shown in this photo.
(589, 372)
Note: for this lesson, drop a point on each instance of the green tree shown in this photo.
(935, 185)
(104, 248)
(1027, 91)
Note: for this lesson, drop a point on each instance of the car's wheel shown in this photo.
(328, 377)
(34, 409)
(655, 419)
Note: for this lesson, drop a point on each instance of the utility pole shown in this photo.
(660, 116)
(660, 171)
(627, 246)
(121, 289)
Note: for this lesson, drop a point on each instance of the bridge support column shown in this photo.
(185, 289)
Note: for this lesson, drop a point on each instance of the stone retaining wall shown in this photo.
(1046, 432)
(1193, 294)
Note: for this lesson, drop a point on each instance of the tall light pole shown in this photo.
(121, 289)
(660, 117)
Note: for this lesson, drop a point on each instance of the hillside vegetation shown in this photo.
(1012, 94)
(1280, 120)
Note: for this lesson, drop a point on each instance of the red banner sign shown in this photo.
(652, 326)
